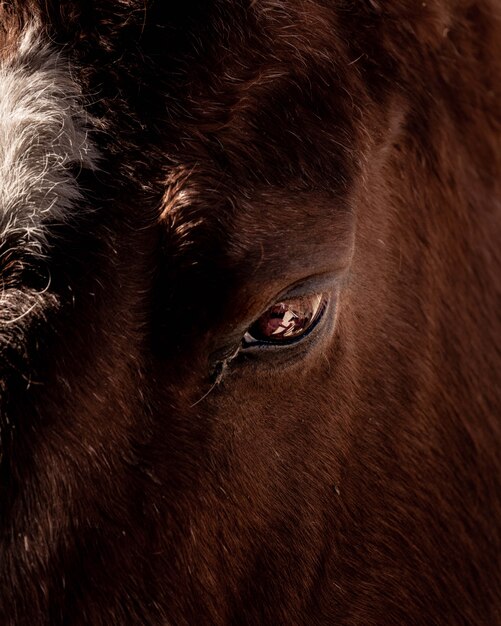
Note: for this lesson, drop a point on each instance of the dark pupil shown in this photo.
(286, 320)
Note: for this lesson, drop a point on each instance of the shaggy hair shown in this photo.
(43, 126)
(166, 176)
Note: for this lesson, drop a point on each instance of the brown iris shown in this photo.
(287, 320)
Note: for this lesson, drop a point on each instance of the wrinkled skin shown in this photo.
(153, 475)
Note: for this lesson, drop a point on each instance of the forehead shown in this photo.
(271, 227)
(272, 107)
(250, 122)
(265, 151)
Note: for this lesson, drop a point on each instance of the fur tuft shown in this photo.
(44, 143)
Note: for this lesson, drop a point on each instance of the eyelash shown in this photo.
(287, 349)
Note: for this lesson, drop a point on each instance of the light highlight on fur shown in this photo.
(43, 143)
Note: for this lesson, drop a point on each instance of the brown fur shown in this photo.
(245, 146)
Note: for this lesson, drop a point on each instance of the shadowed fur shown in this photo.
(155, 469)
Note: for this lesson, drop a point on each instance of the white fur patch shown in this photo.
(43, 142)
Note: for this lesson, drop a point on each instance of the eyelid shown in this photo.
(252, 342)
(324, 283)
(311, 285)
(327, 283)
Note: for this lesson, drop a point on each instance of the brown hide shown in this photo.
(149, 477)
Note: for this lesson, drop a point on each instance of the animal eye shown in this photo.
(287, 321)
